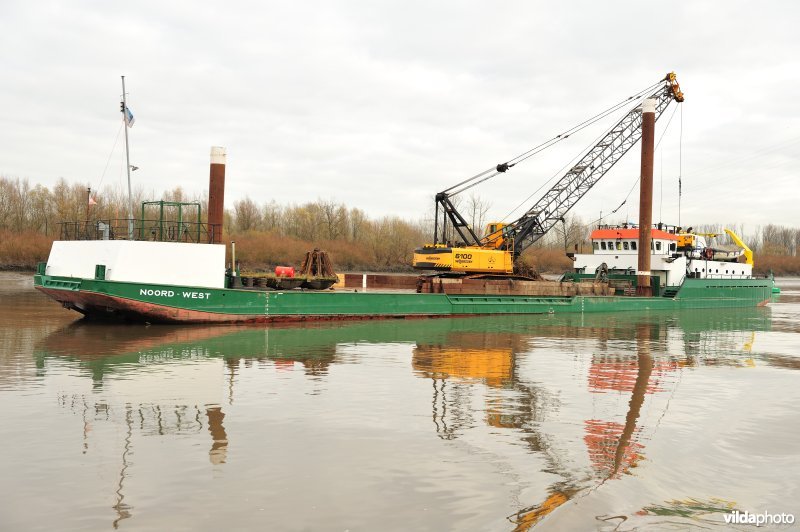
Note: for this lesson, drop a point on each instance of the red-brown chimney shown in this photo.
(216, 195)
(643, 287)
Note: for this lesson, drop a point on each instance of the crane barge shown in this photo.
(172, 280)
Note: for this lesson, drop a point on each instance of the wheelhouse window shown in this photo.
(595, 246)
(602, 245)
(658, 245)
(633, 245)
(625, 245)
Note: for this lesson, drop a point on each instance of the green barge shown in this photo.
(164, 303)
(157, 281)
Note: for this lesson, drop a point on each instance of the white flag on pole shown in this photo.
(129, 119)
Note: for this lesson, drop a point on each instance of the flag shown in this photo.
(129, 119)
(92, 201)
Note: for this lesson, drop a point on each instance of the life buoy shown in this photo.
(708, 253)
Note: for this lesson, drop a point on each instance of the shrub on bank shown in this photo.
(264, 251)
(780, 265)
(21, 251)
(548, 260)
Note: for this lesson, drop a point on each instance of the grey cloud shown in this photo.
(379, 105)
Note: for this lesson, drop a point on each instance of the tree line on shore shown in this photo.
(268, 234)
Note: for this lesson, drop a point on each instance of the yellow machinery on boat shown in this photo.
(503, 243)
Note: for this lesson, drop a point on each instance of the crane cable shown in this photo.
(116, 139)
(582, 125)
(503, 167)
(571, 163)
(561, 171)
(558, 173)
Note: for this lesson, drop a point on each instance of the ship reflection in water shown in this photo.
(117, 353)
(560, 406)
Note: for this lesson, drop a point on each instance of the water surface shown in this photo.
(604, 422)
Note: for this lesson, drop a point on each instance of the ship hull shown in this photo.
(154, 303)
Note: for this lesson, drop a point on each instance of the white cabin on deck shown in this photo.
(134, 261)
(618, 249)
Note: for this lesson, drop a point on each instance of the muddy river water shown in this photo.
(626, 421)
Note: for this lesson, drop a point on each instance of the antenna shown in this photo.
(127, 159)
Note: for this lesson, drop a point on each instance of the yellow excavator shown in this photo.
(497, 251)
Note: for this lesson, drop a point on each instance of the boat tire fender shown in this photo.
(708, 253)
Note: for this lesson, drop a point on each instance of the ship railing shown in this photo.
(674, 229)
(726, 276)
(143, 230)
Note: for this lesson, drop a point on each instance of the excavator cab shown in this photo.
(494, 237)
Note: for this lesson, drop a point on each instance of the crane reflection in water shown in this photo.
(613, 445)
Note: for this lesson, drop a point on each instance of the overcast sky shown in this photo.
(381, 104)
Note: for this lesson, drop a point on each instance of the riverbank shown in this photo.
(21, 252)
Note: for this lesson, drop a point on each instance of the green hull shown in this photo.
(180, 304)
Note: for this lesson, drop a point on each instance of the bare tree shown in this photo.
(796, 241)
(571, 231)
(392, 241)
(41, 209)
(787, 238)
(772, 241)
(6, 201)
(333, 218)
(303, 221)
(477, 208)
(175, 195)
(272, 216)
(246, 215)
(358, 224)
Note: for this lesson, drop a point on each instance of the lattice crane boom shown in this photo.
(497, 252)
(561, 197)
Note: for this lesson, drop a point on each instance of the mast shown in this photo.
(127, 160)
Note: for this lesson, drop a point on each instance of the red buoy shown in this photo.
(284, 271)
